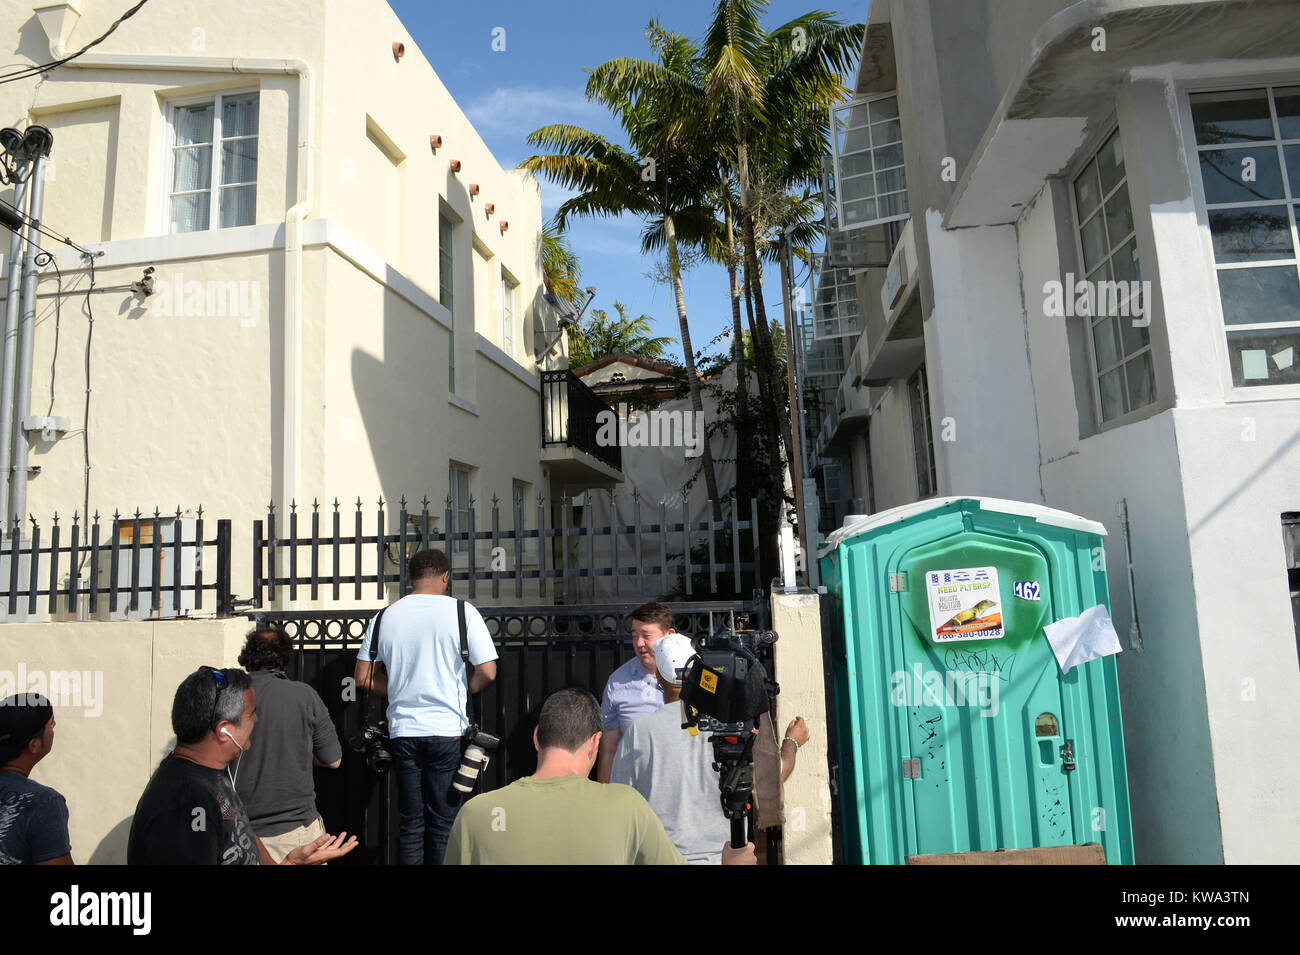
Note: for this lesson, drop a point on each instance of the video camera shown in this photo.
(725, 689)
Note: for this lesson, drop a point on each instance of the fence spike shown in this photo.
(402, 502)
(137, 513)
(495, 499)
(270, 510)
(178, 512)
(116, 515)
(293, 506)
(315, 504)
(336, 503)
(447, 501)
(74, 517)
(359, 504)
(424, 502)
(200, 513)
(381, 502)
(56, 518)
(97, 514)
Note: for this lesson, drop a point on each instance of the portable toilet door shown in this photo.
(965, 735)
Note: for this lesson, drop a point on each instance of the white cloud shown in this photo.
(521, 109)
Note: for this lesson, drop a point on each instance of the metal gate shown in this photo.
(540, 649)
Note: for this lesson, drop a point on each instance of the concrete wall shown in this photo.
(796, 618)
(106, 748)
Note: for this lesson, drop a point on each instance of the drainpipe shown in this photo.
(26, 332)
(13, 302)
(59, 26)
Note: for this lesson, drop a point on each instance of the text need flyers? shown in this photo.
(964, 604)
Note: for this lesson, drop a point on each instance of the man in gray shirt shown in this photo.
(673, 769)
(274, 778)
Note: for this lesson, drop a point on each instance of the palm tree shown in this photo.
(662, 175)
(561, 268)
(601, 335)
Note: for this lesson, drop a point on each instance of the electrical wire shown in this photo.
(40, 261)
(37, 69)
(85, 423)
(44, 230)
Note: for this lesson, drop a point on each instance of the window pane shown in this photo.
(1229, 177)
(892, 205)
(1266, 357)
(1106, 339)
(1134, 336)
(1251, 234)
(1293, 168)
(1141, 381)
(1087, 194)
(1110, 163)
(239, 161)
(886, 108)
(193, 168)
(862, 210)
(238, 206)
(892, 180)
(1288, 117)
(1255, 296)
(854, 140)
(855, 166)
(1094, 242)
(1111, 386)
(1125, 262)
(1239, 116)
(1119, 216)
(190, 213)
(851, 116)
(193, 124)
(888, 156)
(239, 116)
(888, 132)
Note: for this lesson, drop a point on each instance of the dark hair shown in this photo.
(655, 613)
(266, 647)
(23, 717)
(428, 563)
(568, 719)
(201, 702)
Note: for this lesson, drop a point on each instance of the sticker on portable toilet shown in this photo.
(1026, 589)
(964, 604)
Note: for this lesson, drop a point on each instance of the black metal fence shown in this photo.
(154, 564)
(571, 417)
(540, 650)
(652, 549)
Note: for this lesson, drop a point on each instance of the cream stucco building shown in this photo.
(348, 291)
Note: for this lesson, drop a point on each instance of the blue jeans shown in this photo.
(426, 803)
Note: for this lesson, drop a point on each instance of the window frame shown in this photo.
(837, 165)
(1089, 153)
(458, 549)
(447, 250)
(509, 289)
(1233, 393)
(171, 106)
(923, 381)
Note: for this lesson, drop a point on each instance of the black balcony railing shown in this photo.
(571, 417)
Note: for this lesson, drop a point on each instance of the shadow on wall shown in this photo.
(112, 848)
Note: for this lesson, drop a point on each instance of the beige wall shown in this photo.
(106, 749)
(796, 618)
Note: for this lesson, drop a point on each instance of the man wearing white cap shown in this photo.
(673, 769)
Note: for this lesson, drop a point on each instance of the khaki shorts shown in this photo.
(280, 846)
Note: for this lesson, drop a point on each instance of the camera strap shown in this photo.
(470, 704)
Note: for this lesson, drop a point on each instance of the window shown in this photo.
(1248, 152)
(214, 163)
(521, 494)
(446, 265)
(508, 286)
(922, 436)
(1125, 377)
(458, 488)
(871, 185)
(834, 300)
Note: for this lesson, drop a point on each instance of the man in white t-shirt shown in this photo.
(416, 662)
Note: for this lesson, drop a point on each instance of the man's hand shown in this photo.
(605, 755)
(743, 856)
(324, 849)
(797, 730)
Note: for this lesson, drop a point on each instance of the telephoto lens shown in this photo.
(474, 761)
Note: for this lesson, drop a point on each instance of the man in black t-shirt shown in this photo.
(33, 818)
(190, 813)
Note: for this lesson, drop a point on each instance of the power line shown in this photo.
(37, 69)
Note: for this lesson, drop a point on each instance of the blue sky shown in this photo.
(538, 79)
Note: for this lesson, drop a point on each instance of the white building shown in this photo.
(1012, 160)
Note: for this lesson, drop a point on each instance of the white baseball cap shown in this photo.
(671, 654)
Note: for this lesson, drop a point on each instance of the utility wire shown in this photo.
(43, 229)
(36, 69)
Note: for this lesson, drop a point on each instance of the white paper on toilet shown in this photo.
(1089, 636)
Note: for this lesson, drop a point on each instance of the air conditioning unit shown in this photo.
(169, 607)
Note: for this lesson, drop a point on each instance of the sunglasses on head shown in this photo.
(222, 682)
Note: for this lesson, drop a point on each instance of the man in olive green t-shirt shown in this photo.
(559, 816)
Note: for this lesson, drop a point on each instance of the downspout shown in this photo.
(26, 344)
(291, 433)
(13, 302)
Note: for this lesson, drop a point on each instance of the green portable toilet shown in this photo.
(957, 730)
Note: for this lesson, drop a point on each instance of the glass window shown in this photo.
(214, 164)
(446, 266)
(508, 286)
(871, 184)
(922, 435)
(458, 488)
(1248, 153)
(1117, 306)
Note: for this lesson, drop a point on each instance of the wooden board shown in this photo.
(1090, 853)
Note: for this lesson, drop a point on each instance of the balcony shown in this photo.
(572, 415)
